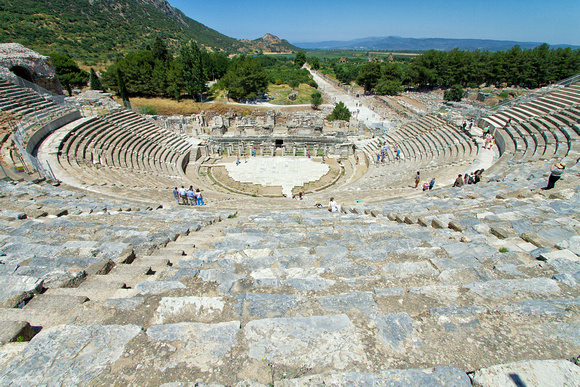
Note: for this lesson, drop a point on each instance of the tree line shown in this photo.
(154, 72)
(528, 68)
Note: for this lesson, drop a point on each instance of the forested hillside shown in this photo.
(100, 30)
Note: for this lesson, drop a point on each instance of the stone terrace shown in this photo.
(478, 285)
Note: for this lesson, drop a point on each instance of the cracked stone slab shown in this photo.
(326, 341)
(502, 288)
(548, 308)
(394, 329)
(439, 292)
(131, 303)
(529, 373)
(68, 355)
(188, 309)
(201, 345)
(361, 301)
(266, 305)
(437, 376)
(409, 269)
(396, 291)
(570, 279)
(16, 288)
(157, 287)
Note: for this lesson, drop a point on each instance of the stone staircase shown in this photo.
(305, 297)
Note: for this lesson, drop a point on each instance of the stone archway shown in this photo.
(23, 73)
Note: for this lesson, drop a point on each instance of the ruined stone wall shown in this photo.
(15, 59)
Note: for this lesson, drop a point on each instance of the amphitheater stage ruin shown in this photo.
(106, 280)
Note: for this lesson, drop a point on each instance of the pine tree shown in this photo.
(159, 50)
(94, 81)
(122, 87)
(193, 74)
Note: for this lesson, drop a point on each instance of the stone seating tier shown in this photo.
(124, 140)
(404, 284)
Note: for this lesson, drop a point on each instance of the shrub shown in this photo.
(340, 112)
(149, 110)
(455, 93)
(315, 99)
(293, 83)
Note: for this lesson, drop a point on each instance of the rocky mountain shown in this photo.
(399, 43)
(97, 31)
(272, 44)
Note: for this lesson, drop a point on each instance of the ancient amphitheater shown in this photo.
(105, 280)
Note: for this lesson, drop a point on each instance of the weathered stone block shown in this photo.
(439, 224)
(529, 373)
(69, 355)
(500, 232)
(437, 376)
(536, 239)
(456, 226)
(423, 222)
(201, 345)
(15, 289)
(15, 330)
(320, 341)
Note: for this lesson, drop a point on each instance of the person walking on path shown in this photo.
(555, 174)
(417, 179)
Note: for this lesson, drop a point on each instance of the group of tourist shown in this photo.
(188, 197)
(467, 126)
(468, 178)
(488, 142)
(382, 153)
(426, 186)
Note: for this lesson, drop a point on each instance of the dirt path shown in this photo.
(357, 106)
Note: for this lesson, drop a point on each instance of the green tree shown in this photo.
(245, 78)
(122, 89)
(159, 50)
(94, 81)
(300, 59)
(369, 75)
(314, 63)
(68, 72)
(389, 87)
(176, 91)
(340, 112)
(315, 99)
(193, 74)
(455, 93)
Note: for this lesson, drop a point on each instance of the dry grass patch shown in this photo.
(281, 93)
(168, 107)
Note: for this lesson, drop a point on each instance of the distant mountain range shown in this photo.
(399, 43)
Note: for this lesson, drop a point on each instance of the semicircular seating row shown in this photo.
(427, 142)
(103, 149)
(544, 129)
(22, 101)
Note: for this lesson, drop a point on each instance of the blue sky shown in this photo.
(553, 22)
